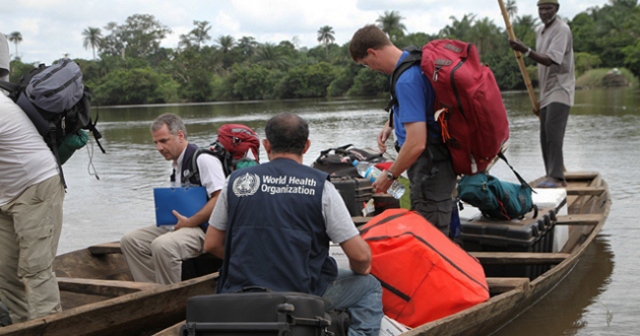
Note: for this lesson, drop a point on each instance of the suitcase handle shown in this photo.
(254, 289)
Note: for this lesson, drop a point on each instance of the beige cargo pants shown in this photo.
(30, 228)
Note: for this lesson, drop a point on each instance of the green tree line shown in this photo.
(133, 68)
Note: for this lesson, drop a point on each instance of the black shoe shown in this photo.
(5, 319)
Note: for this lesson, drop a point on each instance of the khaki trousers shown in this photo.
(155, 254)
(30, 228)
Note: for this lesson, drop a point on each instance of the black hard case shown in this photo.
(355, 192)
(255, 313)
(526, 235)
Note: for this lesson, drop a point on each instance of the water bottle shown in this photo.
(370, 172)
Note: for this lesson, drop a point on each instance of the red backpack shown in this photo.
(231, 147)
(238, 140)
(474, 123)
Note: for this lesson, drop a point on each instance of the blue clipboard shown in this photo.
(186, 200)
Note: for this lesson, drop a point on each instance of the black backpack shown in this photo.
(339, 161)
(59, 106)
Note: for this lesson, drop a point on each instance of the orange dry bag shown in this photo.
(424, 275)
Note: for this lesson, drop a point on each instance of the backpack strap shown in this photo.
(54, 148)
(337, 150)
(85, 103)
(522, 181)
(11, 87)
(219, 152)
(414, 57)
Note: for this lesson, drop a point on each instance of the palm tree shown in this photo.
(524, 28)
(390, 24)
(16, 38)
(247, 45)
(93, 38)
(201, 32)
(325, 36)
(226, 42)
(484, 35)
(459, 29)
(512, 8)
(270, 56)
(197, 36)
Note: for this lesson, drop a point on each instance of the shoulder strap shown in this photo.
(522, 181)
(226, 164)
(414, 57)
(337, 150)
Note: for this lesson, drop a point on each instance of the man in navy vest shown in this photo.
(277, 220)
(155, 254)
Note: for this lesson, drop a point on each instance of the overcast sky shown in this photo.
(52, 28)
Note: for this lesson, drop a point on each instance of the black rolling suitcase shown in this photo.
(255, 313)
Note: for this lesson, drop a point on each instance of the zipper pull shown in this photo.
(435, 73)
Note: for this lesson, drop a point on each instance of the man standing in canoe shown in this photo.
(556, 77)
(418, 135)
(278, 219)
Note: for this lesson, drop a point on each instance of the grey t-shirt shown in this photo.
(340, 227)
(557, 81)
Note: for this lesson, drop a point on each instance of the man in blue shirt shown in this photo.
(418, 138)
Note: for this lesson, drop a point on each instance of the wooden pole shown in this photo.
(523, 69)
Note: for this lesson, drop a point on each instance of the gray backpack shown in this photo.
(58, 104)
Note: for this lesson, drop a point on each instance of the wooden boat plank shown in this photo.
(171, 331)
(581, 191)
(129, 314)
(472, 321)
(502, 285)
(519, 258)
(578, 219)
(106, 248)
(110, 288)
(579, 176)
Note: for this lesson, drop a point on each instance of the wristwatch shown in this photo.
(527, 53)
(390, 176)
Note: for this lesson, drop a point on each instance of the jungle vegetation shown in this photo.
(129, 65)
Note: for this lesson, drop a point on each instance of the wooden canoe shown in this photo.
(99, 297)
(588, 205)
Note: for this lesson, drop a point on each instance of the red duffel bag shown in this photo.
(424, 275)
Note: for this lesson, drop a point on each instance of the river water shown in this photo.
(601, 295)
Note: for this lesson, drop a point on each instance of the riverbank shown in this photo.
(604, 78)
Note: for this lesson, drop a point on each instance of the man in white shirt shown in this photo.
(31, 197)
(155, 254)
(556, 77)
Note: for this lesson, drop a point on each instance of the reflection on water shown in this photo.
(564, 308)
(603, 134)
